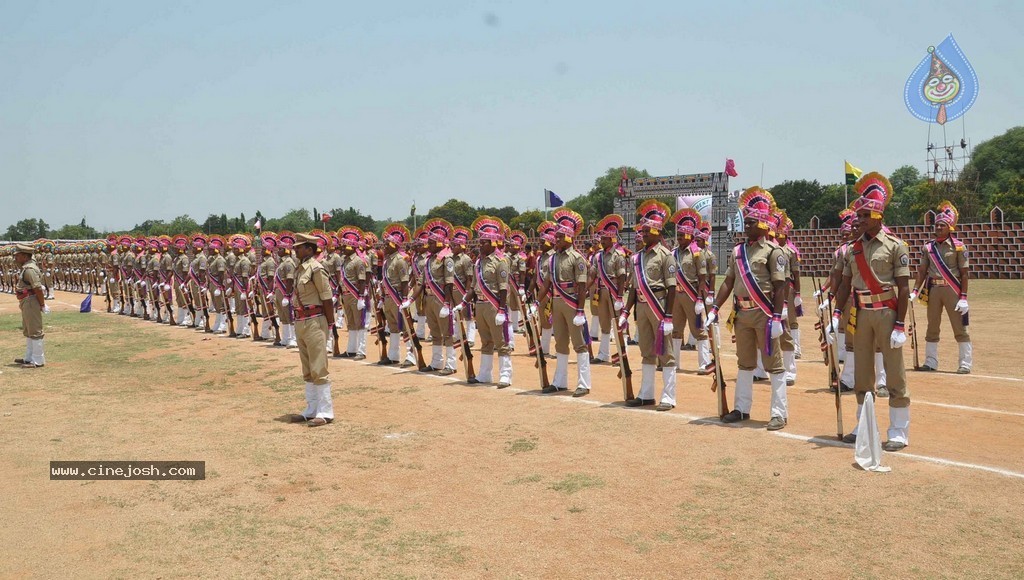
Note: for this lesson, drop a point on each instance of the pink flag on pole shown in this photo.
(730, 168)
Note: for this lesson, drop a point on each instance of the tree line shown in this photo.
(994, 177)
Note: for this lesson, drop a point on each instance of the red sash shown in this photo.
(866, 274)
(951, 279)
(652, 300)
(605, 278)
(755, 292)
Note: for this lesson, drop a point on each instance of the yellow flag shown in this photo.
(852, 174)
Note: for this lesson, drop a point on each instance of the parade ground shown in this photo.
(426, 476)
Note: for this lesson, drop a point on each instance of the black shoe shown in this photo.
(850, 438)
(845, 387)
(735, 416)
(386, 362)
(926, 368)
(473, 381)
(346, 355)
(632, 342)
(761, 379)
(581, 392)
(664, 407)
(893, 446)
(639, 402)
(597, 361)
(429, 369)
(552, 389)
(689, 347)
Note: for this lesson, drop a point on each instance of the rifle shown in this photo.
(410, 329)
(205, 302)
(913, 336)
(529, 326)
(625, 373)
(271, 313)
(227, 310)
(382, 335)
(831, 358)
(156, 294)
(250, 305)
(717, 379)
(106, 292)
(541, 362)
(467, 351)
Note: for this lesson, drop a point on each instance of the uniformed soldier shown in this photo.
(546, 230)
(198, 281)
(517, 276)
(761, 268)
(946, 269)
(564, 285)
(353, 281)
(691, 280)
(793, 308)
(332, 266)
(877, 273)
(32, 302)
(314, 316)
(265, 270)
(461, 237)
(608, 282)
(284, 285)
(240, 282)
(703, 236)
(653, 293)
(179, 280)
(436, 281)
(112, 262)
(488, 290)
(153, 284)
(394, 287)
(420, 256)
(219, 281)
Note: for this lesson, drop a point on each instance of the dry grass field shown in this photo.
(422, 476)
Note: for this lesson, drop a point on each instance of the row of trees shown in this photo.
(994, 177)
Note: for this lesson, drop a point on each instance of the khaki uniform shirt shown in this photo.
(285, 271)
(463, 269)
(494, 271)
(614, 262)
(311, 285)
(243, 268)
(31, 277)
(218, 266)
(659, 267)
(887, 256)
(396, 269)
(353, 268)
(767, 264)
(954, 257)
(690, 263)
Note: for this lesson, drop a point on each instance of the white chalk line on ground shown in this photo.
(783, 434)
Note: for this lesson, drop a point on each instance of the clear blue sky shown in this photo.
(123, 111)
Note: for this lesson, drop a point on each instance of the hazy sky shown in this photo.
(124, 111)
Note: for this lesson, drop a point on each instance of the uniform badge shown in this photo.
(780, 264)
(581, 266)
(672, 269)
(904, 260)
(449, 265)
(504, 274)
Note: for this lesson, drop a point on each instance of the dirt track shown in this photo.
(422, 476)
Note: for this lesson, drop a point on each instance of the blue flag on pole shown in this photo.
(86, 304)
(551, 199)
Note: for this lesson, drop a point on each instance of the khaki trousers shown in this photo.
(751, 327)
(565, 331)
(353, 316)
(649, 326)
(311, 336)
(492, 336)
(439, 330)
(31, 318)
(874, 329)
(684, 313)
(283, 312)
(943, 298)
(606, 314)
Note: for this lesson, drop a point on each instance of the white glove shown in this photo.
(709, 300)
(623, 320)
(499, 318)
(360, 304)
(445, 311)
(823, 306)
(531, 310)
(285, 302)
(797, 301)
(617, 305)
(897, 339)
(143, 284)
(785, 312)
(405, 304)
(668, 327)
(458, 307)
(334, 299)
(961, 306)
(229, 291)
(46, 309)
(522, 294)
(817, 294)
(243, 295)
(269, 297)
(579, 319)
(711, 319)
(698, 307)
(216, 292)
(832, 329)
(182, 286)
(913, 295)
(776, 329)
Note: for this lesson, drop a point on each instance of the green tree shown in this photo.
(81, 231)
(598, 202)
(296, 220)
(527, 221)
(903, 209)
(351, 217)
(456, 211)
(182, 224)
(27, 230)
(1011, 200)
(506, 214)
(799, 199)
(997, 162)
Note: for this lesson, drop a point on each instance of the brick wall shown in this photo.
(995, 250)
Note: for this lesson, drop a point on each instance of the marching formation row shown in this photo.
(483, 285)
